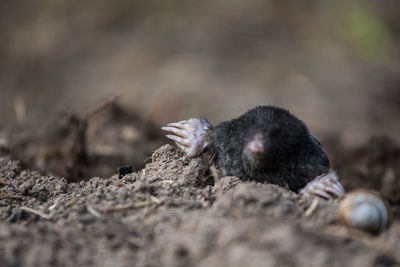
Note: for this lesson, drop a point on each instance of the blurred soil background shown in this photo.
(334, 64)
(85, 87)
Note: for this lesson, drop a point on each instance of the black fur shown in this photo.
(292, 156)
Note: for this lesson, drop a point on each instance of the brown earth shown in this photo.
(334, 64)
(173, 212)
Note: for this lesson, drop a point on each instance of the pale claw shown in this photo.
(325, 186)
(189, 135)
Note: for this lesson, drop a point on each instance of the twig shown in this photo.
(94, 212)
(72, 201)
(9, 196)
(136, 205)
(39, 213)
(20, 111)
(155, 200)
(312, 207)
(212, 158)
(55, 204)
(147, 159)
(101, 106)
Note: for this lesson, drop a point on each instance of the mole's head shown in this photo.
(261, 148)
(276, 148)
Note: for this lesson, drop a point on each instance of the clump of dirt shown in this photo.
(171, 214)
(79, 147)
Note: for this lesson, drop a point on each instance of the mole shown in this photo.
(265, 144)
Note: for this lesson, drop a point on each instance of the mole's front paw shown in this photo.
(189, 135)
(325, 186)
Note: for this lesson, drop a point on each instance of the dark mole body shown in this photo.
(291, 157)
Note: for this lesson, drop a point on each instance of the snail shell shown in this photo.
(364, 210)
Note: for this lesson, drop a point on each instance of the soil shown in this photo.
(174, 212)
(62, 202)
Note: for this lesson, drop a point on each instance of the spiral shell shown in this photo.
(364, 210)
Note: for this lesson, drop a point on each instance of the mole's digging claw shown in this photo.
(325, 186)
(189, 135)
(177, 131)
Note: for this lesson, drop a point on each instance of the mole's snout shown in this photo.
(256, 147)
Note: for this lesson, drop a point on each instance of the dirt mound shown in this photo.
(171, 213)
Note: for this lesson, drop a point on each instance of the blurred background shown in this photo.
(335, 64)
